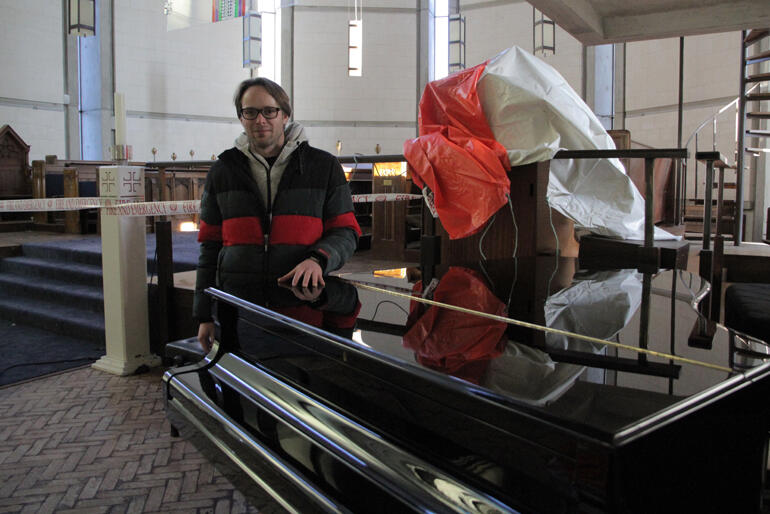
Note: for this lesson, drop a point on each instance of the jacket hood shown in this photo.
(294, 135)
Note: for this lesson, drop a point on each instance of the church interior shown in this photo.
(559, 300)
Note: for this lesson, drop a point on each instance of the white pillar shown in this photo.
(124, 270)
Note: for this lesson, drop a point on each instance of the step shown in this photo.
(44, 270)
(697, 209)
(758, 133)
(755, 35)
(15, 226)
(68, 321)
(697, 227)
(698, 236)
(62, 293)
(64, 254)
(762, 56)
(759, 77)
(758, 97)
(758, 115)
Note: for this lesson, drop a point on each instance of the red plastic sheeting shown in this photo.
(454, 342)
(457, 156)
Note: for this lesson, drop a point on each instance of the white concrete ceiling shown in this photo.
(596, 22)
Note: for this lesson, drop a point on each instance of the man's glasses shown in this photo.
(251, 113)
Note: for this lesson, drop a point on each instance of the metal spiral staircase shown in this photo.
(753, 136)
(752, 139)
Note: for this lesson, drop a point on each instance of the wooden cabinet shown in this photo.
(532, 233)
(15, 173)
(360, 181)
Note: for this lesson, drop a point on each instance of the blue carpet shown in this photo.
(30, 352)
(52, 312)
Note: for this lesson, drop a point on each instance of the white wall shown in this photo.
(491, 28)
(178, 84)
(380, 107)
(31, 82)
(711, 80)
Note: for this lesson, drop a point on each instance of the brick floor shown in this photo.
(85, 441)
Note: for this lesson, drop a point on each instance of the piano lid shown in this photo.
(605, 385)
(569, 349)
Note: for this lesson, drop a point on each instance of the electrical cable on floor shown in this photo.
(515, 226)
(556, 238)
(513, 283)
(483, 234)
(388, 301)
(553, 228)
(2, 371)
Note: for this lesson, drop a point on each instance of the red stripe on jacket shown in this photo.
(292, 229)
(241, 231)
(209, 232)
(303, 313)
(336, 320)
(347, 220)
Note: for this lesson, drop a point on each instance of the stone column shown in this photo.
(124, 269)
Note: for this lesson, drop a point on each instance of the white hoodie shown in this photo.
(294, 134)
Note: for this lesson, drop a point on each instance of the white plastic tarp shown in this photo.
(533, 112)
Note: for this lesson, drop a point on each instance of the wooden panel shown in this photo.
(15, 180)
(389, 219)
(71, 190)
(534, 236)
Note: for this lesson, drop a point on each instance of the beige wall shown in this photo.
(492, 27)
(711, 80)
(178, 84)
(377, 108)
(32, 78)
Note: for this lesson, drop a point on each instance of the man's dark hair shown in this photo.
(271, 87)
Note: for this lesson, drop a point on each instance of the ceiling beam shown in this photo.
(596, 22)
(726, 17)
(578, 17)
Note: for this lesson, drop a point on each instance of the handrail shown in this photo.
(711, 119)
(713, 116)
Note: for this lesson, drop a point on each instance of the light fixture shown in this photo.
(392, 273)
(82, 20)
(543, 34)
(188, 226)
(356, 40)
(252, 39)
(390, 169)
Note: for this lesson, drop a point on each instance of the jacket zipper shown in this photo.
(269, 222)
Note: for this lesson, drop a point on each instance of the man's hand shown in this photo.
(206, 335)
(306, 294)
(307, 273)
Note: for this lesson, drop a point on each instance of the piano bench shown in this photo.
(184, 351)
(747, 309)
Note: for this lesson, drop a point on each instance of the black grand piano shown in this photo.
(367, 397)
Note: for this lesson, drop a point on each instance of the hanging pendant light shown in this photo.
(82, 17)
(356, 40)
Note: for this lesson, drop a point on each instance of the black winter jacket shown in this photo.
(246, 244)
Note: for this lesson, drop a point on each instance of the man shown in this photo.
(274, 209)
